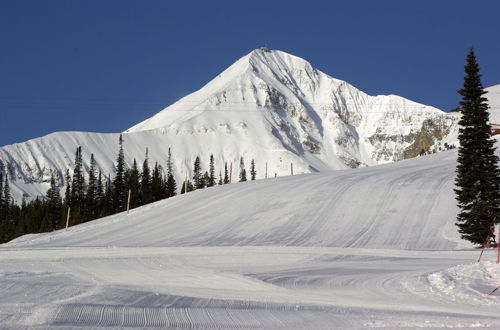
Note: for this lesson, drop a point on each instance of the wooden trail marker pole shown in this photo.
(67, 218)
(266, 170)
(291, 168)
(128, 200)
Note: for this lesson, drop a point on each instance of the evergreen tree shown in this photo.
(220, 178)
(253, 173)
(99, 192)
(6, 199)
(211, 178)
(133, 185)
(189, 186)
(1, 197)
(67, 193)
(109, 194)
(78, 186)
(197, 176)
(171, 186)
(226, 175)
(53, 205)
(157, 183)
(243, 172)
(169, 164)
(90, 198)
(205, 179)
(119, 182)
(22, 226)
(477, 174)
(146, 193)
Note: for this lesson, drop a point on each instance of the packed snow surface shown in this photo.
(367, 248)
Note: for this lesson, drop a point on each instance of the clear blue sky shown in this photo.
(105, 65)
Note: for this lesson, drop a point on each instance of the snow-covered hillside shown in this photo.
(404, 205)
(269, 106)
(369, 247)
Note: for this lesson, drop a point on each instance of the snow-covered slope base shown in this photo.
(269, 106)
(371, 247)
(404, 205)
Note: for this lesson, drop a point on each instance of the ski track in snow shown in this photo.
(241, 287)
(374, 247)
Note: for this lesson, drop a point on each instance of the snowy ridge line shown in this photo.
(269, 106)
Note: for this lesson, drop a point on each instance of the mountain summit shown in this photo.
(269, 106)
(282, 97)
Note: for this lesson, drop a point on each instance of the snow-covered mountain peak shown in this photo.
(246, 86)
(270, 106)
(284, 102)
(277, 62)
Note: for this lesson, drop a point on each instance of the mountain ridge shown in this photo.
(269, 106)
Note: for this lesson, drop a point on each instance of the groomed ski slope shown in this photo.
(404, 205)
(366, 248)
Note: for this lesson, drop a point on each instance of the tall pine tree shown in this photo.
(253, 172)
(146, 192)
(78, 187)
(197, 175)
(477, 174)
(54, 206)
(90, 197)
(108, 205)
(67, 192)
(133, 185)
(157, 183)
(100, 195)
(119, 182)
(1, 196)
(6, 199)
(211, 179)
(171, 186)
(226, 174)
(170, 165)
(243, 171)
